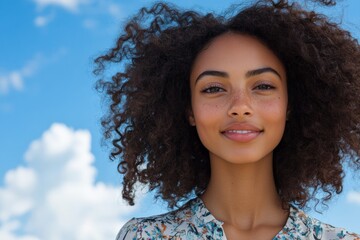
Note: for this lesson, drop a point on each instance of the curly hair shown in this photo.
(149, 99)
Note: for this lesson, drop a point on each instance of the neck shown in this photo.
(248, 192)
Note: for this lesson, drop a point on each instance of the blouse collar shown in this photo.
(201, 212)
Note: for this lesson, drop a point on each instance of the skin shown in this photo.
(239, 105)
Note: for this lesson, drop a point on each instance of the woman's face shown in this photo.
(239, 99)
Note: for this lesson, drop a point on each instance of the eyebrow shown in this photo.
(212, 73)
(255, 72)
(248, 74)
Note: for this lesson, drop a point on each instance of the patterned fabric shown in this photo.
(194, 221)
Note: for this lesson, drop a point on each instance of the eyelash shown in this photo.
(264, 87)
(211, 89)
(216, 88)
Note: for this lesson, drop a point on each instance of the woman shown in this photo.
(249, 114)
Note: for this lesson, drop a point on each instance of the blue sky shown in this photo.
(53, 169)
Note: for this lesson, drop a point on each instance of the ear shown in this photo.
(191, 118)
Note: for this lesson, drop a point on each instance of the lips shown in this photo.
(241, 132)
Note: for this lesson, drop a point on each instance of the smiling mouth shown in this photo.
(241, 135)
(240, 131)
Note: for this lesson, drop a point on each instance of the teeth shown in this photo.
(240, 131)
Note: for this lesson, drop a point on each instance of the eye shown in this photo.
(213, 89)
(264, 86)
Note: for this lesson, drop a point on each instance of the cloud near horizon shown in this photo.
(57, 189)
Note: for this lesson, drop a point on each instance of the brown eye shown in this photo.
(264, 87)
(213, 89)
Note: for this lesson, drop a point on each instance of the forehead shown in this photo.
(235, 52)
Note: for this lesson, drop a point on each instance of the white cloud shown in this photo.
(16, 196)
(87, 9)
(57, 189)
(41, 21)
(11, 80)
(353, 197)
(71, 5)
(7, 231)
(15, 79)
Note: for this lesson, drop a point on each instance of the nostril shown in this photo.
(237, 114)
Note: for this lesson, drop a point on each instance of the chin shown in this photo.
(243, 158)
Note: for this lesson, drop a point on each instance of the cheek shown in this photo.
(205, 114)
(273, 115)
(207, 118)
(207, 111)
(275, 110)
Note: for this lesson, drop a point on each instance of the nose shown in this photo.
(240, 105)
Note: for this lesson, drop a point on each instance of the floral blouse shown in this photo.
(194, 221)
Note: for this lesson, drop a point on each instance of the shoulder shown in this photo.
(327, 231)
(170, 225)
(128, 231)
(303, 226)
